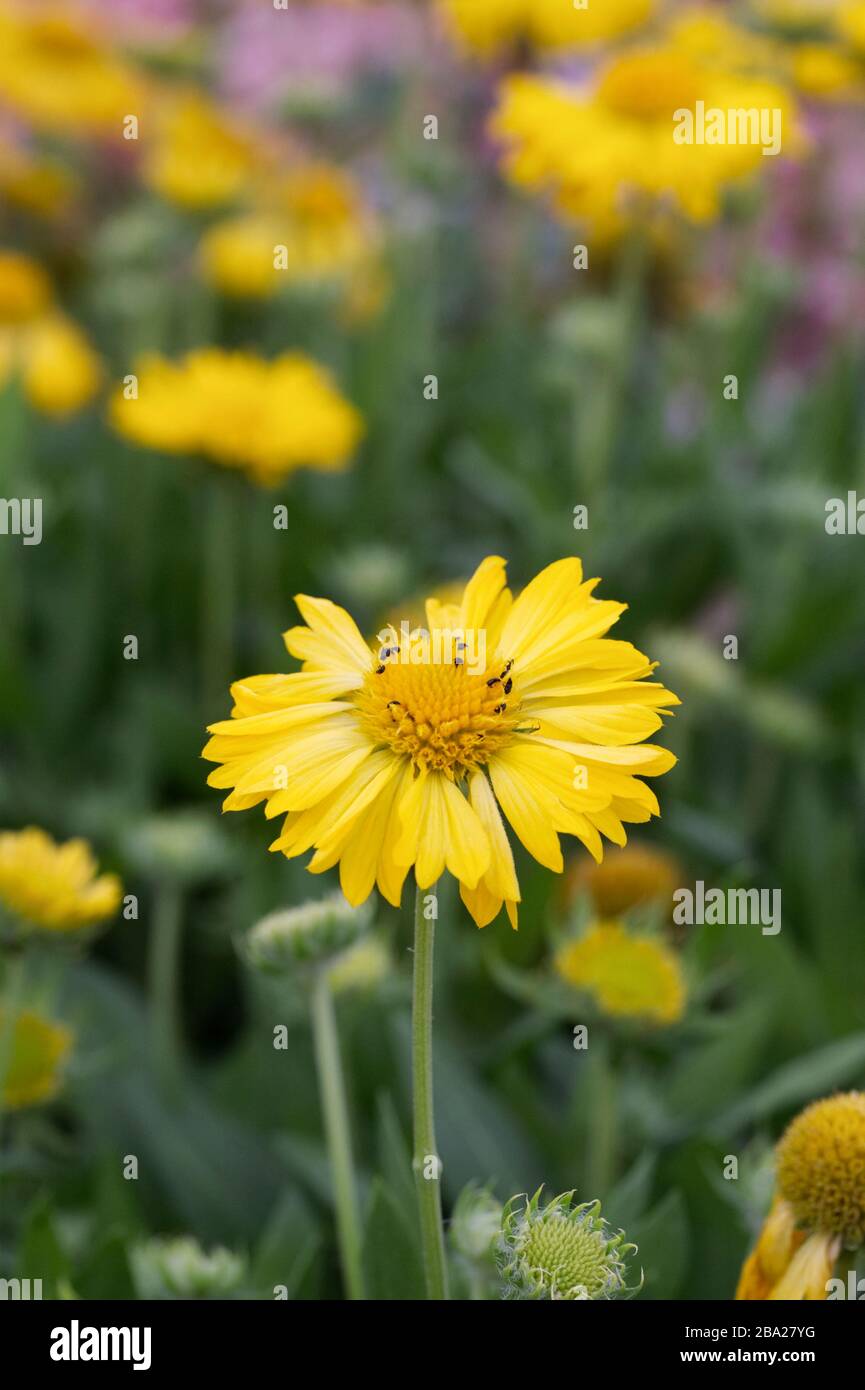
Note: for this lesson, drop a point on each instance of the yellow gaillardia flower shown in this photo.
(57, 76)
(819, 1208)
(59, 369)
(54, 886)
(314, 229)
(25, 290)
(850, 24)
(416, 752)
(242, 411)
(630, 975)
(622, 150)
(626, 878)
(483, 26)
(36, 1055)
(199, 158)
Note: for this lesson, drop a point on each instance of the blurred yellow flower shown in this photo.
(240, 410)
(25, 290)
(198, 158)
(819, 1207)
(59, 370)
(38, 1051)
(407, 754)
(56, 75)
(54, 886)
(851, 25)
(627, 877)
(314, 229)
(483, 26)
(607, 155)
(821, 71)
(37, 186)
(629, 975)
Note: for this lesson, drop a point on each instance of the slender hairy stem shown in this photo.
(164, 979)
(331, 1086)
(10, 1000)
(603, 1127)
(218, 590)
(426, 1162)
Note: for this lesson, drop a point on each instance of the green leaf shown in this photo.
(629, 1198)
(806, 1079)
(390, 1249)
(289, 1250)
(663, 1241)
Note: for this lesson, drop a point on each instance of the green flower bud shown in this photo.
(476, 1224)
(361, 967)
(309, 935)
(560, 1251)
(177, 1267)
(183, 846)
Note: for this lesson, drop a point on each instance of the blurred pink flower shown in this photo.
(266, 52)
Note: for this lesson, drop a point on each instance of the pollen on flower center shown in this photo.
(439, 712)
(821, 1160)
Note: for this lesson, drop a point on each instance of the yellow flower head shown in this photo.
(38, 1051)
(484, 26)
(58, 367)
(54, 886)
(626, 878)
(630, 976)
(266, 417)
(315, 229)
(25, 290)
(415, 752)
(61, 371)
(56, 75)
(851, 25)
(821, 1167)
(820, 1203)
(607, 155)
(199, 158)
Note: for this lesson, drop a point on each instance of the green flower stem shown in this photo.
(166, 933)
(336, 1125)
(13, 985)
(603, 1126)
(218, 590)
(427, 1174)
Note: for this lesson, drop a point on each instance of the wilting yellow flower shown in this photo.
(486, 25)
(198, 158)
(266, 417)
(54, 886)
(25, 290)
(407, 754)
(630, 975)
(56, 75)
(38, 1051)
(58, 367)
(819, 1208)
(626, 878)
(314, 230)
(617, 152)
